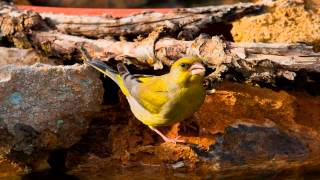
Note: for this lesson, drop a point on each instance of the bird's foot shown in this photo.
(165, 138)
(174, 140)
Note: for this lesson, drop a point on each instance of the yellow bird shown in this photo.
(161, 100)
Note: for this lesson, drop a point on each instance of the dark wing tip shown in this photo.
(122, 69)
(101, 65)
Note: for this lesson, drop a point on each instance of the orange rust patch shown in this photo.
(9, 169)
(307, 110)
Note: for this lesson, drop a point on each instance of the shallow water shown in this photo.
(156, 173)
(11, 171)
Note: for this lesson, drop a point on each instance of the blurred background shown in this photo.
(127, 3)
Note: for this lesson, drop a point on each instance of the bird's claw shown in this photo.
(174, 140)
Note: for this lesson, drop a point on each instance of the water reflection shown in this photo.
(49, 175)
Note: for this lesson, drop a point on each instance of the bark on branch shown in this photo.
(186, 21)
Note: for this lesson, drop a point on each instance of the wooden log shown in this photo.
(187, 22)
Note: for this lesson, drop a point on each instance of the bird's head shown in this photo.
(188, 70)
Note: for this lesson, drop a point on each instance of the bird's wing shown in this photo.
(150, 91)
(152, 94)
(143, 77)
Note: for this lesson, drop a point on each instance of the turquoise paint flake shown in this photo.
(15, 98)
(60, 122)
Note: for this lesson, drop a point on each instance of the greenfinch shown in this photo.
(161, 100)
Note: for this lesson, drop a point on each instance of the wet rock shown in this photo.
(252, 144)
(45, 107)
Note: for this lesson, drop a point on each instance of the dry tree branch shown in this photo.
(187, 21)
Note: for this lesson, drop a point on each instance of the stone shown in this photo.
(292, 23)
(45, 107)
(251, 144)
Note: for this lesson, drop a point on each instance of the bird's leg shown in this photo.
(165, 138)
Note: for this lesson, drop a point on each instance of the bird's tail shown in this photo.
(100, 66)
(111, 73)
(105, 69)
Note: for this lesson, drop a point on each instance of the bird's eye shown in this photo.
(184, 65)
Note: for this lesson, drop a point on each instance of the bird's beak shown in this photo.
(197, 69)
